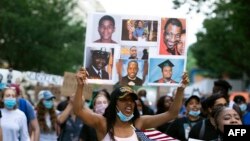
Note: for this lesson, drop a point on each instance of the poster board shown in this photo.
(111, 37)
(70, 84)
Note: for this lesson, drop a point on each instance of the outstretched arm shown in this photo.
(88, 116)
(156, 120)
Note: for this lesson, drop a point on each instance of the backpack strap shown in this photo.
(202, 131)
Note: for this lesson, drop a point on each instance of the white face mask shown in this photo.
(100, 108)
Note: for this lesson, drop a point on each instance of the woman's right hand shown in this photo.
(81, 76)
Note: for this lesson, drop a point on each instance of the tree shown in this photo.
(223, 48)
(39, 35)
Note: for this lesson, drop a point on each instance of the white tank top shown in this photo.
(131, 138)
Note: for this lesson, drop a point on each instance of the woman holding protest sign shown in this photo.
(121, 120)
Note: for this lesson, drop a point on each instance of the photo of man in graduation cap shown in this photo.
(96, 69)
(167, 72)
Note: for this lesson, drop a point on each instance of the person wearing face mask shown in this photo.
(13, 121)
(121, 120)
(241, 102)
(181, 127)
(47, 116)
(99, 102)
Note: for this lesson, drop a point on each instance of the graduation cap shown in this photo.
(166, 63)
(102, 53)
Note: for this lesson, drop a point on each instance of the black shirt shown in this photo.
(210, 133)
(180, 128)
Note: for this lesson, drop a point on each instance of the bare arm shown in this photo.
(35, 129)
(65, 114)
(88, 116)
(156, 120)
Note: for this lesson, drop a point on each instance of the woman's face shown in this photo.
(101, 100)
(167, 102)
(126, 105)
(101, 103)
(9, 93)
(228, 117)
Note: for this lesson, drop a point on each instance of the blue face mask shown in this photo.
(194, 113)
(243, 107)
(9, 103)
(48, 104)
(123, 117)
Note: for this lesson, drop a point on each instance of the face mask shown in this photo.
(9, 103)
(194, 113)
(100, 108)
(123, 117)
(48, 104)
(243, 107)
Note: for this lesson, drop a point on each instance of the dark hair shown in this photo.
(111, 112)
(173, 21)
(132, 62)
(145, 54)
(145, 109)
(142, 92)
(107, 17)
(137, 22)
(209, 102)
(41, 111)
(160, 105)
(239, 99)
(222, 87)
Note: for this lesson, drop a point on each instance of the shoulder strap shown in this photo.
(202, 131)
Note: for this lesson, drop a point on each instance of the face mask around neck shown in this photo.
(123, 117)
(194, 113)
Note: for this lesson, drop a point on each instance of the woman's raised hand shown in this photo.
(185, 80)
(81, 76)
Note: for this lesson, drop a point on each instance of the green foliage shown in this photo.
(35, 35)
(223, 48)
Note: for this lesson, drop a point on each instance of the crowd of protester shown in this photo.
(120, 114)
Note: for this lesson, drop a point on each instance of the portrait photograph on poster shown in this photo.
(98, 61)
(165, 71)
(131, 72)
(173, 36)
(103, 28)
(134, 52)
